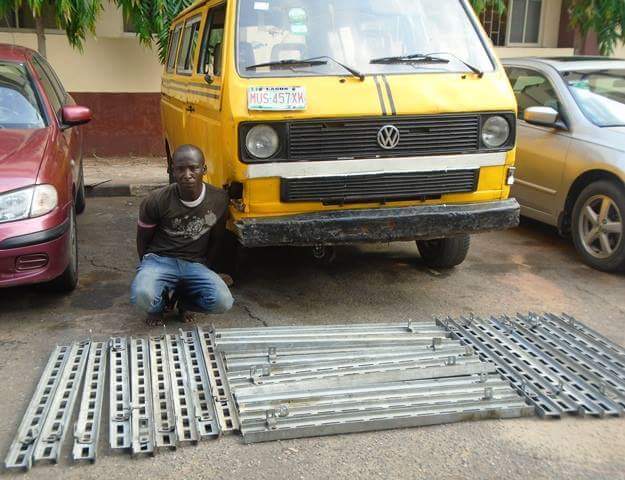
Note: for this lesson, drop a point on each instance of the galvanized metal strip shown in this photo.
(184, 408)
(595, 402)
(274, 359)
(563, 391)
(87, 426)
(232, 345)
(119, 394)
(387, 419)
(519, 380)
(390, 389)
(48, 444)
(141, 414)
(379, 375)
(321, 335)
(162, 401)
(418, 343)
(20, 451)
(324, 328)
(222, 397)
(254, 413)
(331, 366)
(205, 415)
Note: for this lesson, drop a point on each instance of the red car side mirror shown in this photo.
(75, 115)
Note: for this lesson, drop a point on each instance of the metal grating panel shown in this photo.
(357, 138)
(559, 368)
(383, 186)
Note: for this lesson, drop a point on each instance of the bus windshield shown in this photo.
(355, 32)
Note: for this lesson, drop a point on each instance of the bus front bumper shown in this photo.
(380, 225)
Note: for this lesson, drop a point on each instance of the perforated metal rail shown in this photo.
(164, 417)
(20, 451)
(87, 427)
(119, 395)
(54, 428)
(142, 415)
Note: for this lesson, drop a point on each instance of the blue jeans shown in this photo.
(199, 288)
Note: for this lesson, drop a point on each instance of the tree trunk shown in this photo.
(41, 36)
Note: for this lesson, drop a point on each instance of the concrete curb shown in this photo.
(121, 189)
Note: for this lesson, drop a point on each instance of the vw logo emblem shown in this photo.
(388, 137)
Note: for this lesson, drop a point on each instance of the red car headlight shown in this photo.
(27, 202)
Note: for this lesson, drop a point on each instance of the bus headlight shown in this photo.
(495, 131)
(262, 141)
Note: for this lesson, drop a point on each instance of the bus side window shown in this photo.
(212, 42)
(173, 48)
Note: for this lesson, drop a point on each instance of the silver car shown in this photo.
(571, 150)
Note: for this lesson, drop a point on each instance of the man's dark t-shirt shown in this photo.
(187, 233)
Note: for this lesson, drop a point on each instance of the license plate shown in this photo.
(276, 98)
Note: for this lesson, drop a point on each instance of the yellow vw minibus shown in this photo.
(341, 121)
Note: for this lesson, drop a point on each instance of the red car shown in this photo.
(41, 180)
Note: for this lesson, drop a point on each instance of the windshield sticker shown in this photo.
(276, 98)
(261, 5)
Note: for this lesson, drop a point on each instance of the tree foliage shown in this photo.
(605, 17)
(480, 5)
(77, 17)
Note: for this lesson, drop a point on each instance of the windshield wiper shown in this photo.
(290, 62)
(426, 58)
(307, 62)
(415, 58)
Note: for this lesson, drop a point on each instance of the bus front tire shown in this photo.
(444, 252)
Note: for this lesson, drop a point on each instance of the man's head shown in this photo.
(188, 168)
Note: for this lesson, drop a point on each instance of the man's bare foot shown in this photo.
(154, 320)
(186, 316)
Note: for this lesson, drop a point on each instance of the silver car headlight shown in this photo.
(495, 131)
(27, 203)
(262, 141)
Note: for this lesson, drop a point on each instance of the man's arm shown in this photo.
(144, 237)
(216, 237)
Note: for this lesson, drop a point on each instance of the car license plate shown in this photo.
(276, 98)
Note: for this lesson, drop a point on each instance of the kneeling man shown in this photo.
(178, 235)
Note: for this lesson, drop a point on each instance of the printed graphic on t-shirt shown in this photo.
(191, 228)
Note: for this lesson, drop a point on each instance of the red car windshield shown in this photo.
(19, 107)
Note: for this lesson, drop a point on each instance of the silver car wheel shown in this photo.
(600, 226)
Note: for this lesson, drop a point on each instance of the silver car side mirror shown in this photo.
(544, 116)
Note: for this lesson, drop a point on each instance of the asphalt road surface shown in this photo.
(529, 268)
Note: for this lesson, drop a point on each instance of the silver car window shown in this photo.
(600, 95)
(532, 89)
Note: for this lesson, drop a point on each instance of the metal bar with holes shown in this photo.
(20, 451)
(162, 396)
(55, 426)
(204, 407)
(222, 397)
(184, 411)
(119, 394)
(298, 373)
(276, 427)
(87, 426)
(141, 414)
(278, 360)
